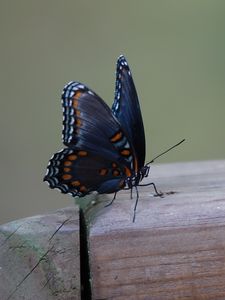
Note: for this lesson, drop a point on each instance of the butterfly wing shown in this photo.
(127, 110)
(88, 122)
(99, 155)
(80, 172)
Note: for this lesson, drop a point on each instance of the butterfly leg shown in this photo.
(158, 194)
(131, 193)
(136, 203)
(111, 202)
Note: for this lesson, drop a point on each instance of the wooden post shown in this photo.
(40, 257)
(175, 248)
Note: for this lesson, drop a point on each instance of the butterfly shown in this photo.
(105, 148)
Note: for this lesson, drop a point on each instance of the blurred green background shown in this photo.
(176, 51)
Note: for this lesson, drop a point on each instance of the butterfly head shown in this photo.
(144, 171)
(135, 178)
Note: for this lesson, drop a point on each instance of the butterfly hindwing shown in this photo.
(79, 172)
(126, 108)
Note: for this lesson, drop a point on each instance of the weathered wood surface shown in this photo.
(174, 250)
(39, 257)
(176, 247)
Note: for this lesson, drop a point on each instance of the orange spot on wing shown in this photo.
(77, 113)
(116, 137)
(78, 122)
(114, 165)
(103, 172)
(82, 153)
(75, 103)
(75, 183)
(127, 172)
(116, 172)
(77, 95)
(72, 157)
(83, 189)
(125, 152)
(75, 99)
(67, 169)
(67, 163)
(66, 176)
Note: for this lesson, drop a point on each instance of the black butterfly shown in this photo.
(105, 147)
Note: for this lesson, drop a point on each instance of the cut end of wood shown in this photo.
(39, 257)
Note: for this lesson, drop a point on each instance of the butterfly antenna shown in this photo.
(165, 152)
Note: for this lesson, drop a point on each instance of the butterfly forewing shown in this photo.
(126, 108)
(88, 122)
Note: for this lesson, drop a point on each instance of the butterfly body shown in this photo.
(105, 147)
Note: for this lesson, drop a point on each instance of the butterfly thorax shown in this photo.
(135, 178)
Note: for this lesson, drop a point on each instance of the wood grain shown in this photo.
(176, 247)
(40, 257)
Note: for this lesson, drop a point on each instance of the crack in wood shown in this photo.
(30, 272)
(47, 281)
(60, 226)
(85, 277)
(10, 235)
